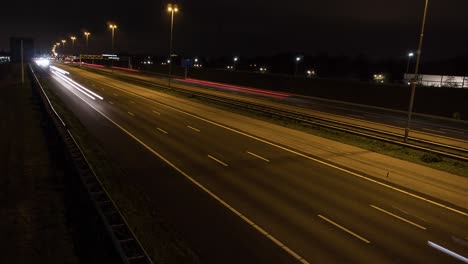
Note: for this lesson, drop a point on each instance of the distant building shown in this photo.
(15, 49)
(439, 80)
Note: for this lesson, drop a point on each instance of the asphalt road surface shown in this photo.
(311, 211)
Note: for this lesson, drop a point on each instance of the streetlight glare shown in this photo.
(72, 38)
(172, 8)
(411, 54)
(112, 26)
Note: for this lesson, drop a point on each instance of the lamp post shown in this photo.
(235, 62)
(87, 40)
(298, 59)
(410, 55)
(112, 27)
(63, 44)
(171, 8)
(73, 38)
(416, 71)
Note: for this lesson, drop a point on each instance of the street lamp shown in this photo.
(171, 8)
(298, 59)
(87, 39)
(416, 71)
(410, 55)
(63, 45)
(73, 38)
(112, 27)
(235, 61)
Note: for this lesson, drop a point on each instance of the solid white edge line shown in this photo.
(344, 229)
(165, 132)
(398, 217)
(295, 152)
(198, 130)
(217, 160)
(210, 193)
(258, 156)
(448, 252)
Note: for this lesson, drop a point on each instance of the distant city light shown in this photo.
(310, 73)
(43, 62)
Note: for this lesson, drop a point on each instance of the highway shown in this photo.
(229, 189)
(430, 128)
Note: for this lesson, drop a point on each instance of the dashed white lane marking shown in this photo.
(198, 130)
(165, 132)
(130, 113)
(433, 130)
(132, 102)
(110, 102)
(115, 94)
(344, 229)
(398, 217)
(217, 160)
(258, 156)
(156, 112)
(448, 252)
(199, 185)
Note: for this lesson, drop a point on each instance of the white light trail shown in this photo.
(79, 86)
(59, 70)
(62, 77)
(448, 252)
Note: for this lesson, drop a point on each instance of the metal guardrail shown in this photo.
(313, 120)
(125, 242)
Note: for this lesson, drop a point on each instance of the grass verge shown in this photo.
(158, 237)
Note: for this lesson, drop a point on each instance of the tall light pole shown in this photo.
(172, 8)
(112, 27)
(416, 71)
(410, 55)
(235, 61)
(298, 59)
(73, 38)
(87, 40)
(63, 45)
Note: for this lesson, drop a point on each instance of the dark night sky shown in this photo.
(379, 28)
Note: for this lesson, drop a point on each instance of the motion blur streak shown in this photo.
(234, 87)
(448, 252)
(59, 70)
(71, 84)
(93, 65)
(125, 69)
(78, 86)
